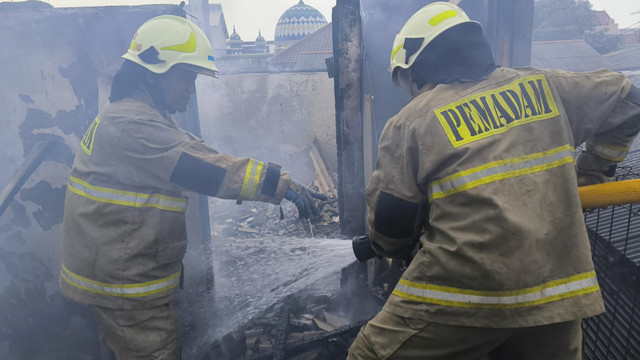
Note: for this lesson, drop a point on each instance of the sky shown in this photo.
(620, 11)
(250, 16)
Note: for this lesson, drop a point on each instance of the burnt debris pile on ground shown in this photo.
(304, 326)
(316, 322)
(255, 219)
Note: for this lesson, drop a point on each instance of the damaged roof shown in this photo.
(308, 53)
(627, 58)
(570, 55)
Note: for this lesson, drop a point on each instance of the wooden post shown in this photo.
(367, 130)
(347, 54)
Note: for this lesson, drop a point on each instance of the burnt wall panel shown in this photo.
(56, 67)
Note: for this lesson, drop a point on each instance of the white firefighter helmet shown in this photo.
(424, 26)
(167, 40)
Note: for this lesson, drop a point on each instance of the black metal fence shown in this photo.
(614, 233)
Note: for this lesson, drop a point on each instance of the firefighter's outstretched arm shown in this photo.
(606, 121)
(203, 170)
(611, 143)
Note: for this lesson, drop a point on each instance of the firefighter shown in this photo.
(479, 167)
(124, 229)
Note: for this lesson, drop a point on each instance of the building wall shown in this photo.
(271, 117)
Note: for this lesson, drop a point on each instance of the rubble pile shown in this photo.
(256, 219)
(316, 323)
(301, 327)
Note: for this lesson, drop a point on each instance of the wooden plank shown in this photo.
(325, 183)
(367, 125)
(347, 54)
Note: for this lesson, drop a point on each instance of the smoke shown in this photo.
(382, 20)
(270, 117)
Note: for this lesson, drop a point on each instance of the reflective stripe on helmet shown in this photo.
(442, 17)
(188, 46)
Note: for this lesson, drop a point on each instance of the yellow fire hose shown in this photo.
(608, 194)
(592, 196)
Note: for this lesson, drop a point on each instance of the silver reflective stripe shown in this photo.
(500, 170)
(609, 152)
(128, 290)
(126, 198)
(552, 291)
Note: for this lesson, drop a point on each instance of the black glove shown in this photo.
(302, 197)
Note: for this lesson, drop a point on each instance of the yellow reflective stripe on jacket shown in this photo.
(89, 137)
(251, 180)
(609, 152)
(126, 198)
(128, 290)
(500, 170)
(447, 296)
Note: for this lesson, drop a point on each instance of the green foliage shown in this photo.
(602, 42)
(570, 20)
(561, 19)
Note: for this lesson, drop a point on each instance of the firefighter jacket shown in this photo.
(484, 174)
(124, 229)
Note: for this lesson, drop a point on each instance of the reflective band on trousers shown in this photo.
(500, 170)
(128, 290)
(251, 180)
(447, 296)
(612, 153)
(126, 198)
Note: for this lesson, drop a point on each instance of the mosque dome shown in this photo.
(299, 21)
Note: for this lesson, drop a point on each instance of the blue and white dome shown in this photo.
(299, 21)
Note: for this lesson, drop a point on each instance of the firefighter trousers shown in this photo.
(388, 336)
(138, 334)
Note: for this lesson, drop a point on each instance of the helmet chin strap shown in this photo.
(406, 83)
(155, 90)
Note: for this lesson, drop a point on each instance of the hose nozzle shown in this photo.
(362, 248)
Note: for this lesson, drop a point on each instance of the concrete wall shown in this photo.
(270, 117)
(55, 69)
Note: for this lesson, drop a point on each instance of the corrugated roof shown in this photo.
(320, 42)
(570, 55)
(627, 58)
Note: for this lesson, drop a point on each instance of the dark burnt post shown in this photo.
(347, 54)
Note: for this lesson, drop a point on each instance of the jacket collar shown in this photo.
(142, 95)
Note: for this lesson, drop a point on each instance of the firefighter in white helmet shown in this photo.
(476, 177)
(124, 230)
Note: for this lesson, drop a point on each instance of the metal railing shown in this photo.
(614, 233)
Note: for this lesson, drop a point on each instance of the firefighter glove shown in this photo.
(302, 197)
(592, 177)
